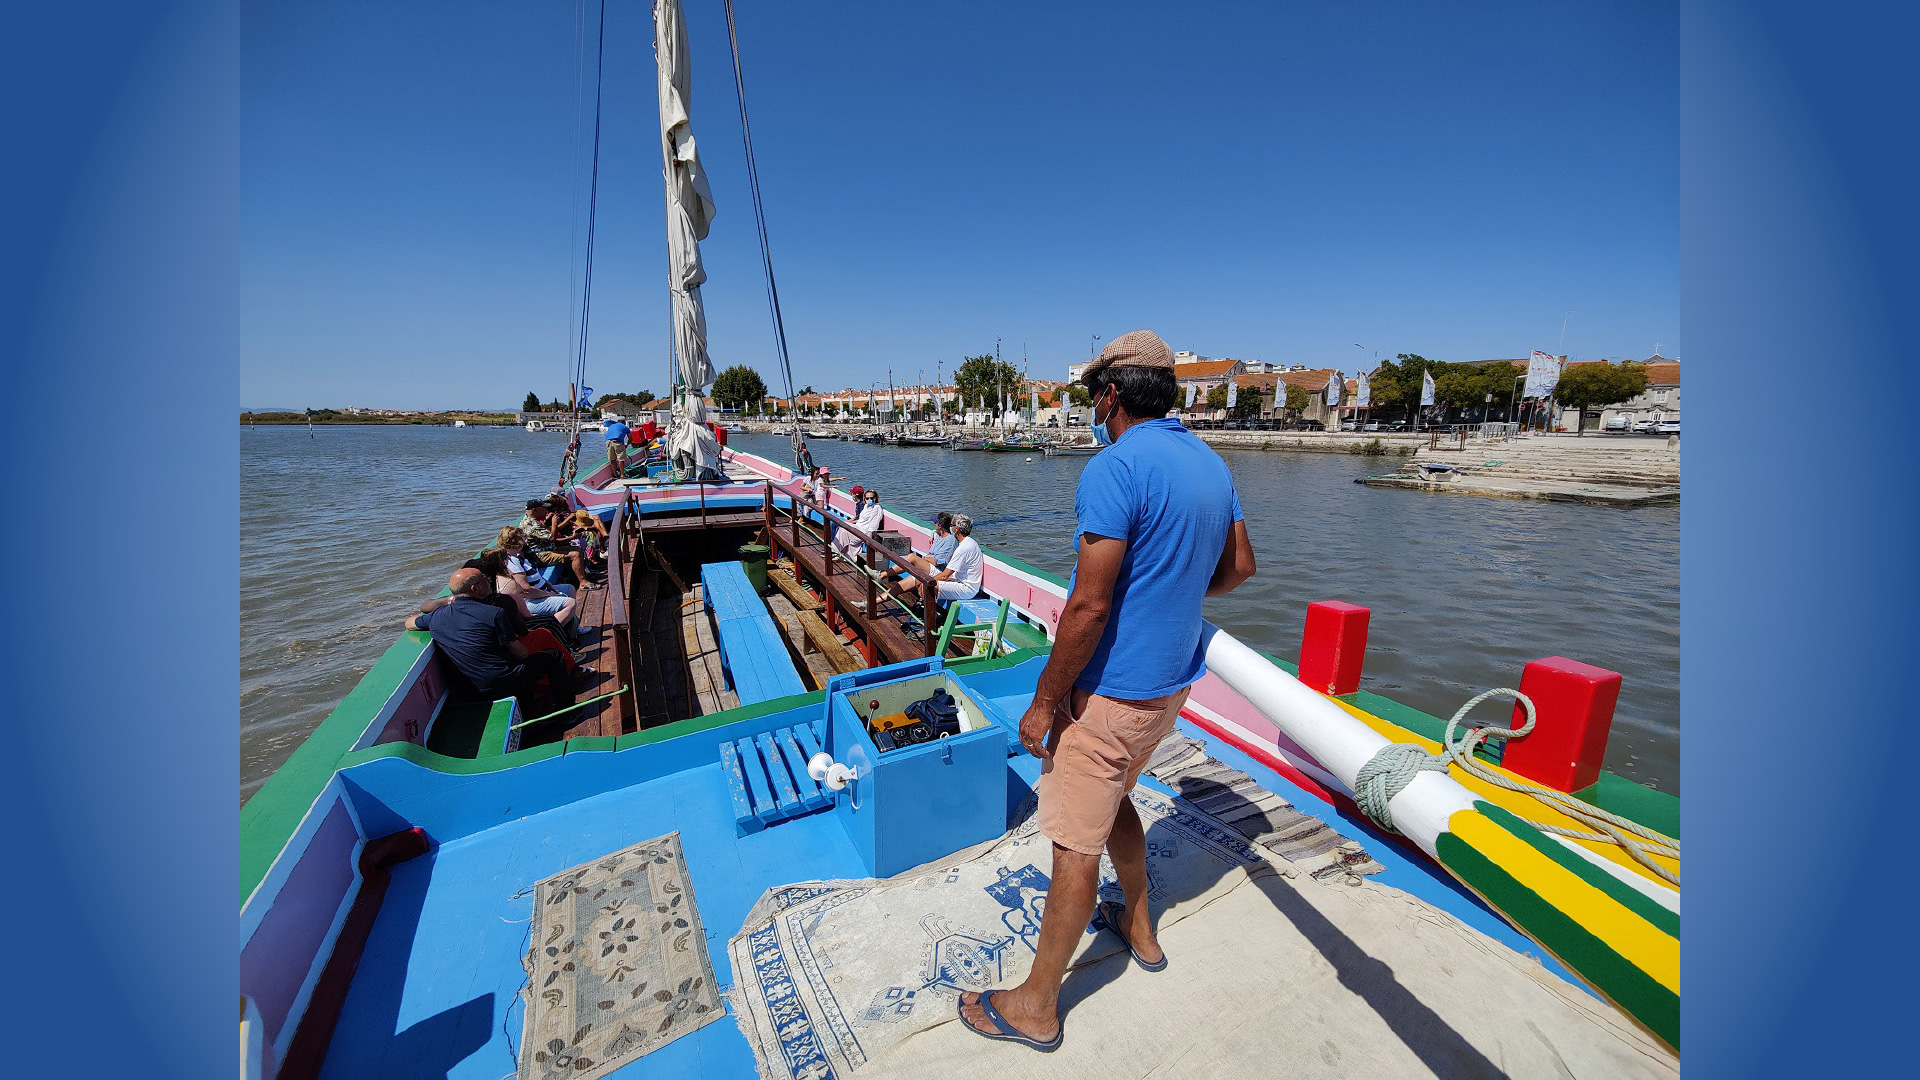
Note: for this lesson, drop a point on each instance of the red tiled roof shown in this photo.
(1203, 369)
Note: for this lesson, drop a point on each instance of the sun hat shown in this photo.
(1136, 348)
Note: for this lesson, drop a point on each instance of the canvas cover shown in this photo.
(690, 445)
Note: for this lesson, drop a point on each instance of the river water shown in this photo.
(343, 532)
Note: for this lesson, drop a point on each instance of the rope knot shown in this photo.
(1387, 774)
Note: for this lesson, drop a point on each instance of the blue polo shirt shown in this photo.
(1171, 498)
(617, 432)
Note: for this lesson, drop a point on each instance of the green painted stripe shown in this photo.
(270, 817)
(1615, 977)
(1657, 810)
(1622, 893)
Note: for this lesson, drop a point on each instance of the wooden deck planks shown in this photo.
(703, 657)
(885, 628)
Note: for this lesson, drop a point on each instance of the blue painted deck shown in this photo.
(437, 991)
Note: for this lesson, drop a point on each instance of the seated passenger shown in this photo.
(544, 547)
(867, 517)
(515, 578)
(475, 637)
(965, 569)
(937, 552)
(526, 631)
(589, 536)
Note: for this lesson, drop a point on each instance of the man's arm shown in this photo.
(413, 622)
(1236, 562)
(1082, 621)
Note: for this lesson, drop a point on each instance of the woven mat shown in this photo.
(1237, 800)
(617, 964)
(828, 974)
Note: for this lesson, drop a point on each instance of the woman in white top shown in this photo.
(512, 582)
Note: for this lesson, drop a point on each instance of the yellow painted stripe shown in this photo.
(1638, 941)
(1523, 806)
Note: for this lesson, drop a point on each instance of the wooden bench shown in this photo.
(752, 651)
(824, 641)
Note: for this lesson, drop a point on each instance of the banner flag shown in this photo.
(1543, 374)
(1335, 384)
(1193, 389)
(1426, 388)
(1233, 393)
(1035, 396)
(1362, 390)
(586, 397)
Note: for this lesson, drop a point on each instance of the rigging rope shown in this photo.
(803, 461)
(1388, 772)
(593, 213)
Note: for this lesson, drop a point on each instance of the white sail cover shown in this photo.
(690, 445)
(1362, 391)
(1543, 374)
(1426, 388)
(1336, 384)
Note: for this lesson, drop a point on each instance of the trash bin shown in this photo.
(753, 557)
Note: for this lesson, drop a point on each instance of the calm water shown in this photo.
(344, 533)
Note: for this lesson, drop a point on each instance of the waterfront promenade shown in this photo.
(1599, 470)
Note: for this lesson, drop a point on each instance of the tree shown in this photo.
(1296, 398)
(1217, 397)
(532, 404)
(1248, 404)
(1077, 394)
(1587, 385)
(983, 379)
(738, 386)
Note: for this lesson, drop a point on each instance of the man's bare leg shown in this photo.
(1033, 1007)
(1127, 846)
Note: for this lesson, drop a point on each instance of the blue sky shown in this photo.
(1275, 181)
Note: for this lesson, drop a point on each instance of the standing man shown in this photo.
(617, 433)
(1160, 528)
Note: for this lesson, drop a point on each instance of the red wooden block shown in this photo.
(1334, 646)
(1573, 703)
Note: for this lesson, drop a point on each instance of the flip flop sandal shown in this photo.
(1109, 913)
(1007, 1032)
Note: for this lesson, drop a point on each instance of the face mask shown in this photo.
(1100, 427)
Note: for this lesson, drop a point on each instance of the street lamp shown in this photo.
(1513, 405)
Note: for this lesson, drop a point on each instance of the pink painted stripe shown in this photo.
(286, 945)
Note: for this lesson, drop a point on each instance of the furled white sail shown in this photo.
(690, 445)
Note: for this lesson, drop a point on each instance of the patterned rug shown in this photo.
(828, 974)
(1239, 802)
(617, 965)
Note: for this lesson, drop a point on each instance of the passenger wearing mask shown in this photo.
(938, 552)
(965, 569)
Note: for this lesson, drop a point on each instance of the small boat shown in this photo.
(1014, 445)
(920, 440)
(459, 423)
(812, 434)
(592, 425)
(1072, 449)
(536, 425)
(736, 429)
(961, 442)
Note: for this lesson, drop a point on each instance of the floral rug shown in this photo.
(828, 974)
(617, 964)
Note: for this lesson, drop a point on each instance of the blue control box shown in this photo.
(918, 802)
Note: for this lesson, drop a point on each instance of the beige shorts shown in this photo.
(1100, 746)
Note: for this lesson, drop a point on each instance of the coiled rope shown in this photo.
(1388, 773)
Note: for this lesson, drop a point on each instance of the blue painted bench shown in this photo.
(752, 650)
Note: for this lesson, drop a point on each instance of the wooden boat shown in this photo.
(920, 440)
(962, 442)
(413, 879)
(1058, 449)
(1011, 446)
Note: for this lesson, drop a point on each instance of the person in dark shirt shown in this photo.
(477, 639)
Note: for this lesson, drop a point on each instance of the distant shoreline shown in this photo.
(333, 419)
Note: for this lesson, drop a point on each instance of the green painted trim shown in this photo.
(1655, 809)
(269, 818)
(1622, 893)
(1613, 976)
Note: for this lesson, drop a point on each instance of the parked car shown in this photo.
(1349, 425)
(1373, 425)
(1646, 425)
(1668, 427)
(1617, 423)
